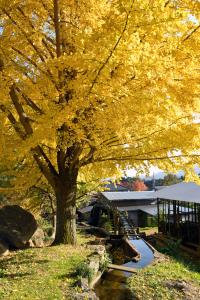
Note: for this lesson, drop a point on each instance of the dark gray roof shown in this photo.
(183, 191)
(160, 187)
(115, 196)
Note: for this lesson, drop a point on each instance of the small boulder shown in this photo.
(86, 295)
(94, 264)
(99, 249)
(16, 226)
(83, 284)
(187, 288)
(37, 239)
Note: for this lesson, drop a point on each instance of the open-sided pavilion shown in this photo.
(179, 213)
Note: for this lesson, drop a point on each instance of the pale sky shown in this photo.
(158, 173)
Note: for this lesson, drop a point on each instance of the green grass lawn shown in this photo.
(152, 282)
(40, 273)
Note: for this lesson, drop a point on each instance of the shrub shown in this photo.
(83, 270)
(105, 223)
(172, 247)
(2, 273)
(106, 260)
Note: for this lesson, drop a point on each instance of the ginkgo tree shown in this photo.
(91, 87)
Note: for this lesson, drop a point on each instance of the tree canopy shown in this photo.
(170, 179)
(90, 87)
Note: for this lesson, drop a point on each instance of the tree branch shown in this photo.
(47, 160)
(30, 103)
(45, 166)
(33, 28)
(190, 34)
(22, 116)
(128, 158)
(37, 51)
(13, 121)
(57, 27)
(112, 51)
(115, 139)
(88, 158)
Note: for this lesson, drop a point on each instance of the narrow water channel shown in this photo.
(146, 254)
(113, 283)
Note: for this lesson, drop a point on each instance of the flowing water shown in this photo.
(113, 283)
(145, 252)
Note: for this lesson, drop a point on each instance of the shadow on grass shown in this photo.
(15, 275)
(72, 273)
(28, 261)
(66, 275)
(25, 260)
(191, 263)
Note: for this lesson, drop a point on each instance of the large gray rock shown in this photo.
(3, 248)
(16, 226)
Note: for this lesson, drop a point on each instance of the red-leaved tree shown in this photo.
(139, 185)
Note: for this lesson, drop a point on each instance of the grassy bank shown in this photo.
(170, 279)
(42, 273)
(149, 230)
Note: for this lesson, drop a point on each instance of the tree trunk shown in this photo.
(66, 211)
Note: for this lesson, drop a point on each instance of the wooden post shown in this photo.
(158, 215)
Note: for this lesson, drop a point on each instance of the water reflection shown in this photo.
(113, 283)
(145, 252)
(113, 287)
